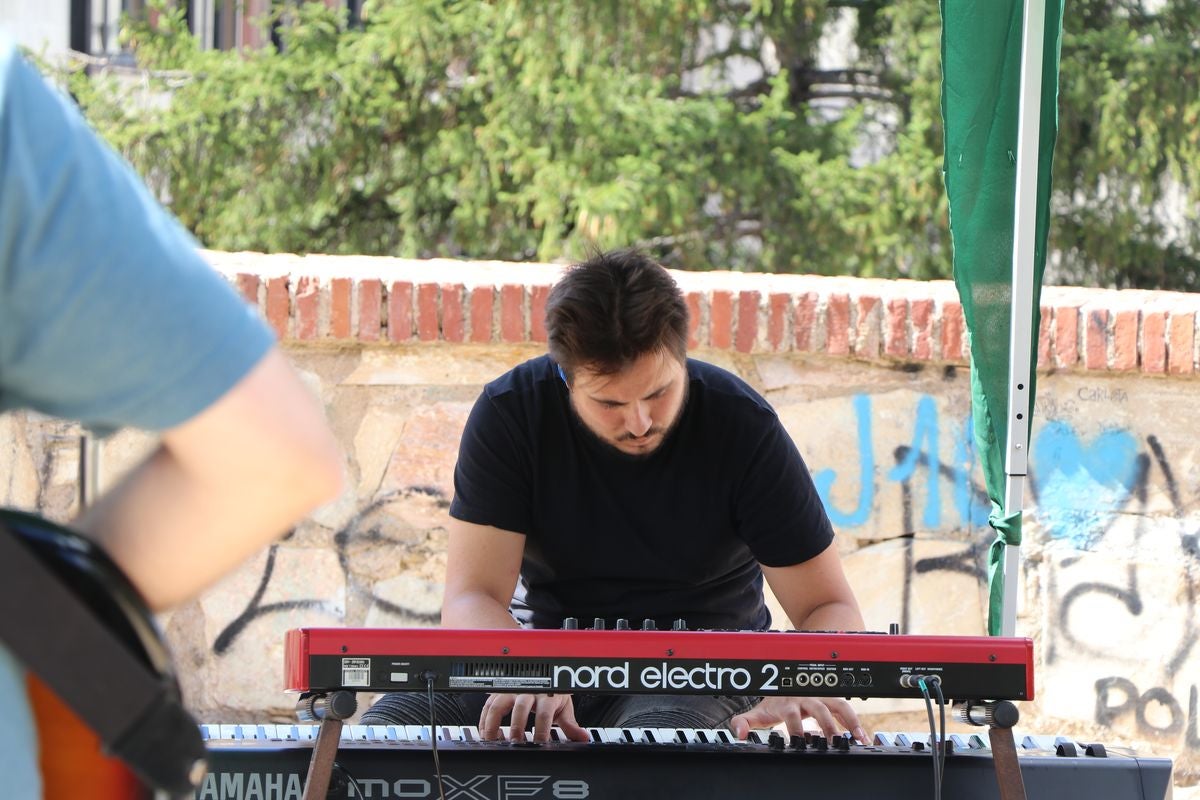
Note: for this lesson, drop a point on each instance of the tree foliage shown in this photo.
(716, 133)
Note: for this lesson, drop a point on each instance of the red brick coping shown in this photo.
(390, 300)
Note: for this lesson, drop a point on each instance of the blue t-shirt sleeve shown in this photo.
(108, 314)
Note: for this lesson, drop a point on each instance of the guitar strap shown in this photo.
(136, 713)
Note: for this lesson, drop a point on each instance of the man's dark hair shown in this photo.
(610, 310)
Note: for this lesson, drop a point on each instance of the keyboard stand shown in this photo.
(1000, 717)
(331, 710)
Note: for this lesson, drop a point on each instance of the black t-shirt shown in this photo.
(677, 534)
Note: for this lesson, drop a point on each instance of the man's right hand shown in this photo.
(548, 710)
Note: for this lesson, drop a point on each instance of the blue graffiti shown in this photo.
(866, 460)
(975, 513)
(1081, 488)
(923, 452)
(925, 430)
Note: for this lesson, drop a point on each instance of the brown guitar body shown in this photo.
(72, 764)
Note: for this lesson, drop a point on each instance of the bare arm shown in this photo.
(482, 566)
(815, 594)
(220, 486)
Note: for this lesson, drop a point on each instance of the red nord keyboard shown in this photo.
(750, 663)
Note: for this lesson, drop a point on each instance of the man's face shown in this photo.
(634, 409)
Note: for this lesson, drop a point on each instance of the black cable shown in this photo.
(937, 777)
(350, 779)
(437, 764)
(937, 685)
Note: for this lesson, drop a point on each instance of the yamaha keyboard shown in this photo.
(747, 663)
(269, 762)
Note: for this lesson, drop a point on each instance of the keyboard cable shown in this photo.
(437, 764)
(350, 779)
(936, 742)
(937, 685)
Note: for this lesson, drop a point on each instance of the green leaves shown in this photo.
(513, 130)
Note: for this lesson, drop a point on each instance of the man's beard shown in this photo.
(666, 430)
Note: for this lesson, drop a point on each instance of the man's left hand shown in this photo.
(826, 711)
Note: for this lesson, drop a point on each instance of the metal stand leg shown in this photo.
(1000, 716)
(1004, 759)
(331, 710)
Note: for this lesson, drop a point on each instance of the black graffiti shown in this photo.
(254, 609)
(967, 561)
(1129, 595)
(355, 531)
(1117, 697)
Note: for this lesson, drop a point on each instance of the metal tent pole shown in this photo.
(1021, 320)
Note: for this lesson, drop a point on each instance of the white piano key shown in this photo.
(665, 735)
(967, 741)
(647, 735)
(230, 732)
(643, 735)
(1037, 742)
(258, 732)
(357, 733)
(723, 736)
(613, 735)
(417, 733)
(695, 735)
(886, 738)
(380, 733)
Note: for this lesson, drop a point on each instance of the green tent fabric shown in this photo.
(981, 79)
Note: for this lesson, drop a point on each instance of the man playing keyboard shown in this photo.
(615, 478)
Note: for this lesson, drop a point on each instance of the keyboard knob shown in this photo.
(798, 743)
(775, 740)
(841, 743)
(570, 624)
(598, 624)
(648, 625)
(622, 624)
(679, 625)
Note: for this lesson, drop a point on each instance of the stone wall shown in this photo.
(869, 377)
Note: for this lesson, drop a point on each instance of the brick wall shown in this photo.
(325, 299)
